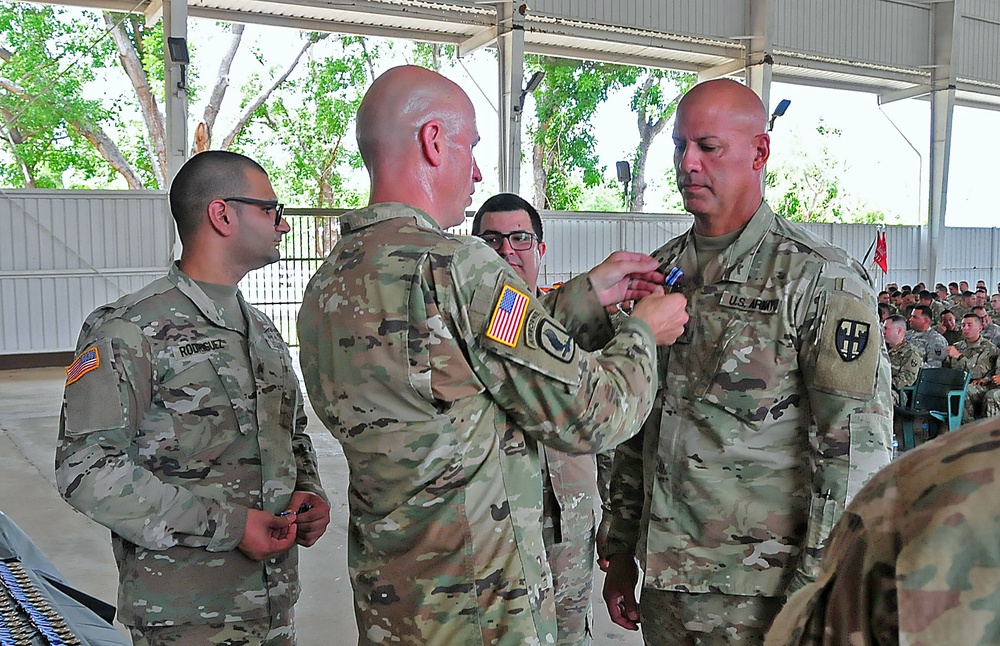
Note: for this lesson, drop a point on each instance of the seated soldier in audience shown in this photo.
(928, 298)
(884, 311)
(995, 302)
(906, 304)
(981, 284)
(976, 356)
(981, 296)
(903, 357)
(928, 341)
(954, 294)
(965, 305)
(942, 292)
(948, 327)
(991, 330)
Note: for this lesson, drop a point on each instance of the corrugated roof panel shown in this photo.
(979, 46)
(873, 31)
(684, 17)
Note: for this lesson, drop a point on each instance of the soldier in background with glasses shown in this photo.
(183, 429)
(511, 226)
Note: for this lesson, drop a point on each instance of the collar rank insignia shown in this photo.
(852, 338)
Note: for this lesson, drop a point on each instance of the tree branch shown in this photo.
(264, 94)
(147, 101)
(204, 142)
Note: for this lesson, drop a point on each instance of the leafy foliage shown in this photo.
(807, 187)
(48, 59)
(302, 136)
(563, 137)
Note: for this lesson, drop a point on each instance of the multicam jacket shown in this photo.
(773, 410)
(438, 371)
(174, 424)
(914, 559)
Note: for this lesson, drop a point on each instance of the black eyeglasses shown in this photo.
(279, 208)
(518, 240)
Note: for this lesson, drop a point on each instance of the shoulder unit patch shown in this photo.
(852, 338)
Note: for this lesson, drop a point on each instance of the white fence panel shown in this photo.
(63, 253)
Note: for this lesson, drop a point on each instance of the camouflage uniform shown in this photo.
(914, 559)
(992, 332)
(978, 359)
(905, 361)
(185, 423)
(774, 411)
(439, 409)
(930, 344)
(569, 484)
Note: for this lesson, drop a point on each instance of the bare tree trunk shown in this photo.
(95, 135)
(648, 130)
(147, 101)
(266, 92)
(538, 175)
(203, 138)
(13, 135)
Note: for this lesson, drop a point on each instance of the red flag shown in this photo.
(881, 256)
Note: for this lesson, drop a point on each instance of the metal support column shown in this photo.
(176, 94)
(943, 37)
(760, 26)
(510, 45)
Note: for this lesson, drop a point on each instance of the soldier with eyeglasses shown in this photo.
(183, 429)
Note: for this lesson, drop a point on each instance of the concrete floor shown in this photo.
(81, 549)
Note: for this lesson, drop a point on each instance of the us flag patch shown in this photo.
(508, 317)
(89, 360)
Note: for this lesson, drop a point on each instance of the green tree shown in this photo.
(50, 131)
(306, 131)
(806, 187)
(564, 163)
(48, 127)
(654, 102)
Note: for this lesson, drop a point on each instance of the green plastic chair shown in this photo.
(938, 393)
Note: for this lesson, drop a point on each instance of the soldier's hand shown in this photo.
(952, 352)
(664, 314)
(619, 591)
(267, 535)
(996, 380)
(602, 541)
(312, 515)
(625, 276)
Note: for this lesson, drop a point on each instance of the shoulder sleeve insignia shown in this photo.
(508, 317)
(556, 341)
(89, 360)
(851, 338)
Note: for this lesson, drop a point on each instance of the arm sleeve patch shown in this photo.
(537, 341)
(94, 399)
(850, 345)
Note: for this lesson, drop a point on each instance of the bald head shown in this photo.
(720, 150)
(735, 101)
(412, 126)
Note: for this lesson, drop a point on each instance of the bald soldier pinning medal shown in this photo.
(440, 372)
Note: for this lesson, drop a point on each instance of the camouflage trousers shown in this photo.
(991, 404)
(572, 564)
(278, 630)
(688, 619)
(975, 398)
